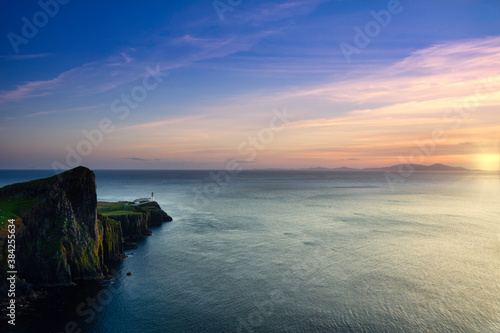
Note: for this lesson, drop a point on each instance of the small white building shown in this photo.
(144, 200)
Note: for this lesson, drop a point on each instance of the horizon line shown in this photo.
(316, 168)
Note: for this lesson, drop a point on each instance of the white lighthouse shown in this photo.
(152, 196)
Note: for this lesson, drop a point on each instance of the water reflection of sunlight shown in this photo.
(480, 183)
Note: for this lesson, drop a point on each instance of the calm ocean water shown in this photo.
(296, 251)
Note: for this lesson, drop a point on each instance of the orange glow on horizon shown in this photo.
(490, 162)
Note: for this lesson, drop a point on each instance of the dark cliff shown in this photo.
(153, 212)
(60, 237)
(112, 238)
(135, 224)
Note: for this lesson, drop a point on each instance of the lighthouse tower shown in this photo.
(152, 196)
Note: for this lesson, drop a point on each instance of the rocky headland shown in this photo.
(62, 234)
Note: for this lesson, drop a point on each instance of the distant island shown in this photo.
(416, 167)
(62, 234)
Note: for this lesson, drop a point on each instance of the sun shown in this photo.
(488, 161)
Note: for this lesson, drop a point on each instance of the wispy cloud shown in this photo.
(154, 124)
(110, 73)
(26, 56)
(384, 113)
(128, 65)
(275, 11)
(34, 88)
(439, 72)
(204, 43)
(90, 78)
(138, 159)
(127, 58)
(43, 113)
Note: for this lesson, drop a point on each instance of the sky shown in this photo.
(260, 84)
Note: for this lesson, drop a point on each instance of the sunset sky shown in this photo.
(421, 84)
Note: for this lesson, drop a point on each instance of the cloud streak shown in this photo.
(44, 113)
(409, 100)
(276, 11)
(26, 56)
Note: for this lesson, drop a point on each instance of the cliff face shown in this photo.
(154, 214)
(112, 238)
(60, 237)
(136, 224)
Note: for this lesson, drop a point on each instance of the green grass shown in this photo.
(111, 206)
(12, 208)
(115, 208)
(120, 212)
(148, 205)
(7, 208)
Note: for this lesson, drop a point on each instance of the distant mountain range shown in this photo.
(416, 167)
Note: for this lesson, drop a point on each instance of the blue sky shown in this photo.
(225, 78)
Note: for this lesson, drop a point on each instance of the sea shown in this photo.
(293, 251)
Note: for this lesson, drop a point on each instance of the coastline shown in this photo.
(62, 237)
